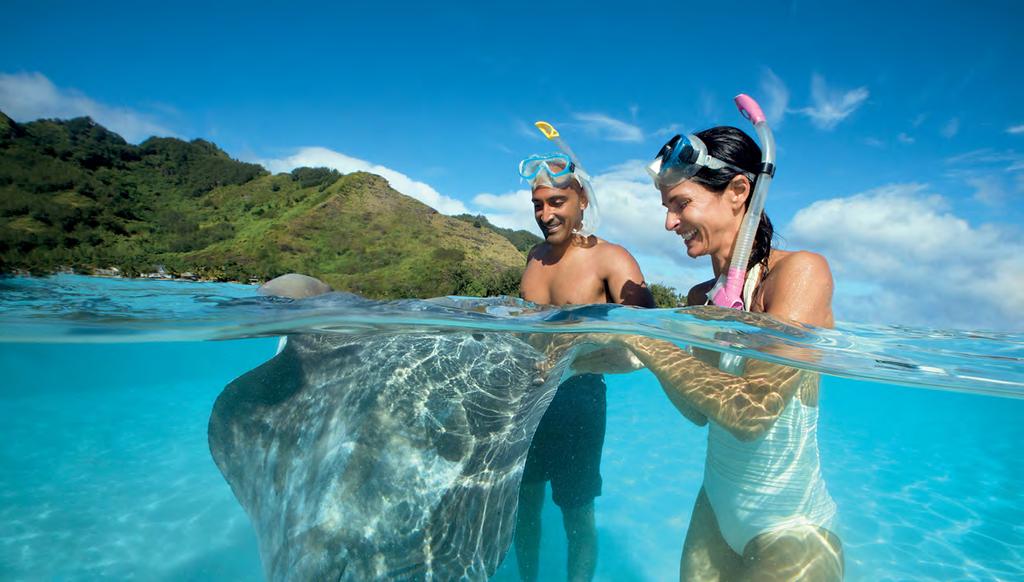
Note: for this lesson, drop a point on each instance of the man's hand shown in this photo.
(554, 346)
(604, 353)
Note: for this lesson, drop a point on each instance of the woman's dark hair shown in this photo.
(734, 146)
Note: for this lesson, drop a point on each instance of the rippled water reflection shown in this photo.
(76, 309)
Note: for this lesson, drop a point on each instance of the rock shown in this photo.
(295, 286)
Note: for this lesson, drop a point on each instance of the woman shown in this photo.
(763, 511)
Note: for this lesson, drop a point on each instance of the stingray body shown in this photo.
(383, 456)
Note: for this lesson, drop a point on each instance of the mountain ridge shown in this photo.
(75, 194)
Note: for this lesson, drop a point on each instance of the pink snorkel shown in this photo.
(728, 290)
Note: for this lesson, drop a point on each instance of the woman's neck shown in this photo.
(722, 258)
(720, 263)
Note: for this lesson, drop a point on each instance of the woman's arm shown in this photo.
(745, 405)
(799, 291)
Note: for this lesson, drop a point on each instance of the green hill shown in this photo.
(75, 194)
(522, 239)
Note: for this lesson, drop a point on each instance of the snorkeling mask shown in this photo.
(556, 170)
(681, 158)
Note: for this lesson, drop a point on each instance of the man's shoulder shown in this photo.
(621, 273)
(611, 253)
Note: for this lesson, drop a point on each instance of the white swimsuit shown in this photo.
(771, 483)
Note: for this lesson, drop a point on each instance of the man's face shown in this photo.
(558, 211)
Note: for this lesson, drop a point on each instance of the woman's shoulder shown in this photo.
(805, 266)
(799, 288)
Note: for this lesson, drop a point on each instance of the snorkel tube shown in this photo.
(591, 217)
(728, 290)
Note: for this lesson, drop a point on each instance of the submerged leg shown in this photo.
(527, 536)
(581, 531)
(805, 553)
(706, 554)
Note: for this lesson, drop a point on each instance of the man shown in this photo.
(571, 266)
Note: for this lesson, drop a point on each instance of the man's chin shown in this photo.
(556, 237)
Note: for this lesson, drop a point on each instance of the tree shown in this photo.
(665, 296)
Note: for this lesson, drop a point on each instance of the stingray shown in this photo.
(388, 456)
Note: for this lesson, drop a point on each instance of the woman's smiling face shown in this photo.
(705, 219)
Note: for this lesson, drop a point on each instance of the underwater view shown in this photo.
(150, 432)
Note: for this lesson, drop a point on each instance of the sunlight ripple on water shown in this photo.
(77, 309)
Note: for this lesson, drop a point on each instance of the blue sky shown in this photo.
(901, 149)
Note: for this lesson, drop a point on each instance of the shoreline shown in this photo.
(116, 273)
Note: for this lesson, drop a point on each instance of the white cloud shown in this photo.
(323, 157)
(775, 96)
(992, 174)
(987, 190)
(900, 255)
(609, 128)
(669, 130)
(951, 128)
(904, 138)
(510, 210)
(990, 157)
(31, 96)
(1015, 129)
(830, 106)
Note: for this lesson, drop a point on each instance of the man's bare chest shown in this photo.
(562, 284)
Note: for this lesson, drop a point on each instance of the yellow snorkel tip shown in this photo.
(547, 129)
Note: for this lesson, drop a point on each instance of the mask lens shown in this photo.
(670, 145)
(673, 175)
(529, 167)
(678, 162)
(683, 153)
(557, 167)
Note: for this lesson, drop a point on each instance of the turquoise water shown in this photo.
(107, 472)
